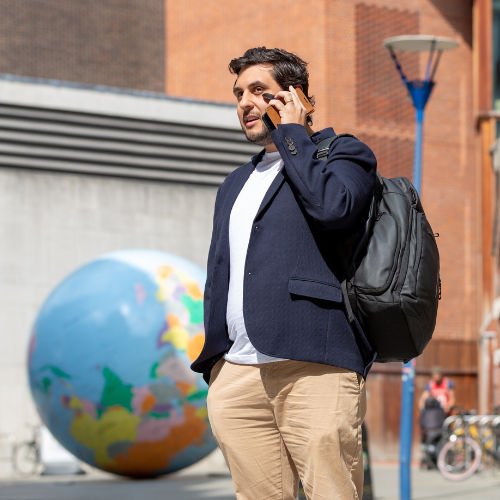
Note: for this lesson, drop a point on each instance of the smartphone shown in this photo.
(272, 118)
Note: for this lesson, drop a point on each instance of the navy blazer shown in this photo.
(293, 304)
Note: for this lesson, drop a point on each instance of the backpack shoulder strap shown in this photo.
(323, 149)
(325, 144)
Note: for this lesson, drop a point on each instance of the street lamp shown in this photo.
(420, 91)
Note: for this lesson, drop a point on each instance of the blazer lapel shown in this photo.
(245, 172)
(273, 189)
(231, 196)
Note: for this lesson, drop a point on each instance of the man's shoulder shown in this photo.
(345, 144)
(237, 174)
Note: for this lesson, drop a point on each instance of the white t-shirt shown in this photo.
(243, 213)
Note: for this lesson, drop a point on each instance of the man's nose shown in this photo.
(246, 100)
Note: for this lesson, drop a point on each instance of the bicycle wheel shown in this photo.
(25, 459)
(459, 459)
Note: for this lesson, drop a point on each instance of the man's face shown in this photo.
(437, 377)
(252, 82)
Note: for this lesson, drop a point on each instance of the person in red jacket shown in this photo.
(440, 388)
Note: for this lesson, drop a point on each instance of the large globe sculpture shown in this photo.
(109, 363)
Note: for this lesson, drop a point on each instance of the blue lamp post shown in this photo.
(420, 91)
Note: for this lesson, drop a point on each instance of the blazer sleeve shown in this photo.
(334, 193)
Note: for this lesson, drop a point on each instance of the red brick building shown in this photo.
(358, 90)
(183, 49)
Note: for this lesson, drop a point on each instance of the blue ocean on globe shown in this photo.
(109, 360)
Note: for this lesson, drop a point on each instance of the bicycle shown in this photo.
(26, 457)
(461, 456)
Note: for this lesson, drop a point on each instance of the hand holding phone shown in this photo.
(272, 117)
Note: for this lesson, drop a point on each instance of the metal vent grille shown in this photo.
(66, 141)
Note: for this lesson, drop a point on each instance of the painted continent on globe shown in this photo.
(109, 363)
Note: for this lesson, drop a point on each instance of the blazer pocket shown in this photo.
(315, 289)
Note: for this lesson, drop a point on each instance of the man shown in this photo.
(285, 368)
(440, 388)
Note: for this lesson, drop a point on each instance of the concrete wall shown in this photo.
(50, 224)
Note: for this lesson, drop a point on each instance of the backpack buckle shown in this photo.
(322, 152)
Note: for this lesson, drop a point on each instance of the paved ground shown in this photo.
(430, 485)
(210, 481)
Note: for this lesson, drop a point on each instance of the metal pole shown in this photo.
(417, 156)
(406, 429)
(420, 93)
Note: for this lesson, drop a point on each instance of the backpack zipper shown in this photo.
(419, 240)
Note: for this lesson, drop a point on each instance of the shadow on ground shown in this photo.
(213, 488)
(212, 485)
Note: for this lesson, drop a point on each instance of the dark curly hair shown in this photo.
(287, 68)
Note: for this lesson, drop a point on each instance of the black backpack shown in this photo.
(391, 264)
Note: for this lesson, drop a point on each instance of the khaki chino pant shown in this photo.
(276, 422)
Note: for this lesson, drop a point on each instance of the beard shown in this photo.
(262, 138)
